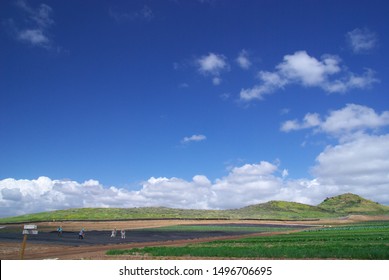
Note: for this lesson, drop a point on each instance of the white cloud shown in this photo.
(194, 138)
(310, 120)
(40, 16)
(246, 185)
(342, 123)
(361, 40)
(305, 70)
(270, 82)
(35, 30)
(34, 36)
(11, 194)
(250, 183)
(35, 27)
(358, 166)
(359, 162)
(177, 193)
(354, 118)
(213, 65)
(243, 60)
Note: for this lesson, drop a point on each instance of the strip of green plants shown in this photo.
(220, 228)
(358, 243)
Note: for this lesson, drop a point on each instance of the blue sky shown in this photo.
(194, 104)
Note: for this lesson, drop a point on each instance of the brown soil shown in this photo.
(11, 250)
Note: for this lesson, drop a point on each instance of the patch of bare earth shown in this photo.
(11, 250)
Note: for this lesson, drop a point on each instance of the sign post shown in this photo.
(27, 229)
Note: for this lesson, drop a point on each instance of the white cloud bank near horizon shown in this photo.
(358, 163)
(358, 166)
(245, 185)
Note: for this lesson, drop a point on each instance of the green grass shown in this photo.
(230, 228)
(361, 241)
(94, 214)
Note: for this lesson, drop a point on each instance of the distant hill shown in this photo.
(338, 206)
(284, 210)
(352, 204)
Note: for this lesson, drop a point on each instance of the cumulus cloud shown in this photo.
(310, 120)
(338, 169)
(177, 193)
(194, 138)
(36, 27)
(359, 166)
(342, 123)
(358, 163)
(248, 184)
(212, 65)
(300, 68)
(361, 40)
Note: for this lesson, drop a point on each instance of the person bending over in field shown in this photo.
(123, 234)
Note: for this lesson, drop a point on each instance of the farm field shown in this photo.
(194, 239)
(367, 240)
(342, 227)
(97, 240)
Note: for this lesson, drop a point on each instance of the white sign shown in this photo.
(30, 227)
(30, 231)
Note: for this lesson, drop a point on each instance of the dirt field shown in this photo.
(47, 245)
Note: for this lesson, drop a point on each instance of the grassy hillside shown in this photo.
(353, 204)
(285, 210)
(117, 214)
(337, 206)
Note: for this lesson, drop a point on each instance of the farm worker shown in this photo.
(113, 234)
(81, 234)
(123, 233)
(59, 230)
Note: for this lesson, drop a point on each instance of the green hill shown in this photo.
(353, 204)
(285, 211)
(333, 207)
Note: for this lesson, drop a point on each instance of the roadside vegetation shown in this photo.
(366, 241)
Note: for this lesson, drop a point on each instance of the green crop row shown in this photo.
(226, 228)
(370, 242)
